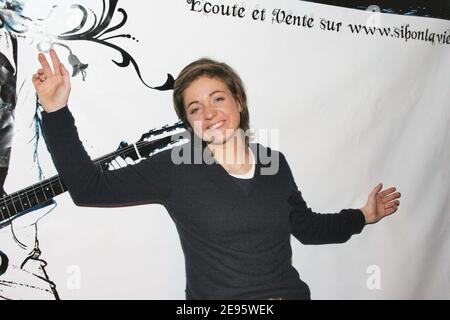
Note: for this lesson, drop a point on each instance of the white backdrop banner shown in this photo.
(356, 97)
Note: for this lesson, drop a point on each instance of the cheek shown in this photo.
(234, 115)
(199, 131)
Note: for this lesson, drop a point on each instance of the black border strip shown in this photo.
(424, 8)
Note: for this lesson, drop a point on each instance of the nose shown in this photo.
(210, 112)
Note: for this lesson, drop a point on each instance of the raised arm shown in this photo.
(146, 182)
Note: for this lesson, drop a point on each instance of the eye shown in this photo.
(218, 99)
(193, 111)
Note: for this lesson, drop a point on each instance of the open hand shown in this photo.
(52, 87)
(380, 204)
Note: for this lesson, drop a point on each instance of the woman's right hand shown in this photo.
(52, 87)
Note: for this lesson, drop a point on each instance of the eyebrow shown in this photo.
(209, 95)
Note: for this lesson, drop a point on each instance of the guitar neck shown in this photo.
(18, 203)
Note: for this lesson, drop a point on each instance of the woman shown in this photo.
(234, 222)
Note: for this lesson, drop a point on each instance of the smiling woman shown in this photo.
(210, 98)
(234, 220)
(216, 105)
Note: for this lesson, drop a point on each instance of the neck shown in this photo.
(233, 154)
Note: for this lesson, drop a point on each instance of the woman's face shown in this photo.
(211, 110)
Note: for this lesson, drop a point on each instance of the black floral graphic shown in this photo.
(100, 32)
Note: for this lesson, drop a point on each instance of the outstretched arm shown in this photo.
(317, 228)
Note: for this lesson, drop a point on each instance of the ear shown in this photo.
(238, 100)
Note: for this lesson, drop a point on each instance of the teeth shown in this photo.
(216, 125)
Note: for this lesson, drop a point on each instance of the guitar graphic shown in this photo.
(32, 199)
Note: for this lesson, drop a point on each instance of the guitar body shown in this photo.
(3, 263)
(17, 237)
(22, 271)
(13, 252)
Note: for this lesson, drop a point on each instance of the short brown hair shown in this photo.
(212, 69)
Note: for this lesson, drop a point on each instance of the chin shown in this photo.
(218, 139)
(214, 140)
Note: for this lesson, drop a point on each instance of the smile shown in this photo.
(216, 125)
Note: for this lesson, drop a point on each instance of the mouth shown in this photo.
(216, 125)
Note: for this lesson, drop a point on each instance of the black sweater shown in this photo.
(236, 244)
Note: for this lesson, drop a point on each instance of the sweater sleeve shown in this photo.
(320, 228)
(148, 181)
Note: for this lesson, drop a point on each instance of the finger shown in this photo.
(44, 63)
(392, 204)
(37, 77)
(36, 81)
(40, 71)
(391, 197)
(387, 191)
(55, 61)
(65, 74)
(63, 69)
(391, 210)
(376, 189)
